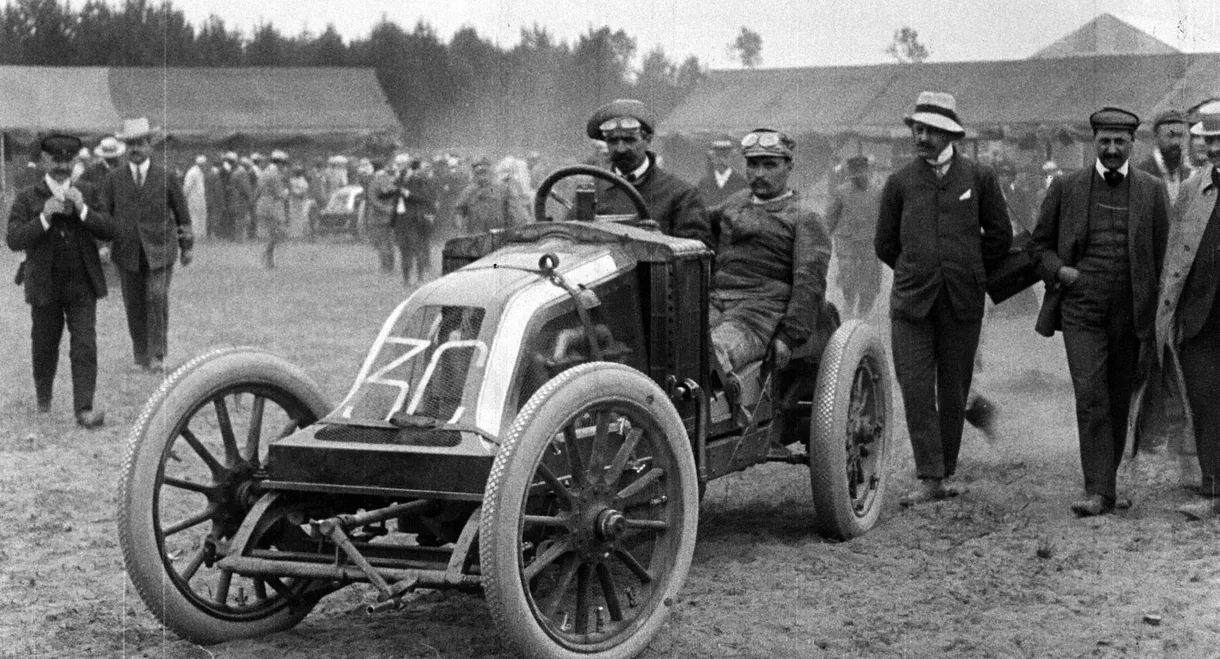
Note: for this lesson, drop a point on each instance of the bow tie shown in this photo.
(1113, 177)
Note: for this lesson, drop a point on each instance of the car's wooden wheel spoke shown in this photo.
(194, 520)
(642, 483)
(576, 463)
(609, 592)
(232, 456)
(634, 565)
(192, 566)
(189, 485)
(548, 556)
(582, 598)
(557, 486)
(218, 470)
(624, 454)
(254, 434)
(224, 580)
(567, 571)
(597, 452)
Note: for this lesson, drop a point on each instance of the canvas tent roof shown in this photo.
(197, 104)
(1002, 96)
(1106, 35)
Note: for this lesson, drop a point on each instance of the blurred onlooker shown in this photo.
(381, 194)
(109, 153)
(1168, 162)
(82, 162)
(214, 194)
(1050, 171)
(851, 222)
(271, 203)
(414, 217)
(238, 196)
(448, 183)
(721, 179)
(300, 201)
(537, 168)
(250, 171)
(515, 175)
(334, 176)
(485, 203)
(193, 186)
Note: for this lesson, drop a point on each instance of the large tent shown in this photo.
(1001, 97)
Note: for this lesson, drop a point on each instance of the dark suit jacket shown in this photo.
(941, 233)
(1062, 233)
(153, 216)
(25, 233)
(675, 205)
(713, 195)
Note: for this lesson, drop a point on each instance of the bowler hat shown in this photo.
(623, 109)
(938, 110)
(136, 129)
(60, 146)
(109, 147)
(1115, 119)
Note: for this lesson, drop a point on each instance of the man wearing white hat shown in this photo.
(942, 218)
(1188, 311)
(193, 186)
(152, 230)
(110, 155)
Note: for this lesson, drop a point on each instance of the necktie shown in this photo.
(1113, 177)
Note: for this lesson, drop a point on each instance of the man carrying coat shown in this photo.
(56, 227)
(152, 227)
(1188, 314)
(1101, 237)
(942, 217)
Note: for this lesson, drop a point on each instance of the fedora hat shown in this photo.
(938, 110)
(109, 147)
(138, 128)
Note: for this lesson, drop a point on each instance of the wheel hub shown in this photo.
(610, 525)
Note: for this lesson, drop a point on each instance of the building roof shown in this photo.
(197, 104)
(1106, 35)
(1003, 96)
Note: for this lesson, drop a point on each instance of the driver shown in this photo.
(625, 126)
(770, 280)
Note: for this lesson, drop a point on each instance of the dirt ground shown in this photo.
(1003, 571)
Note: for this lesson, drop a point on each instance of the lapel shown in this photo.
(1078, 208)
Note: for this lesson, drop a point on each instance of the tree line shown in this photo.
(468, 91)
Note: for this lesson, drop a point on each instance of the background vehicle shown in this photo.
(537, 424)
(343, 213)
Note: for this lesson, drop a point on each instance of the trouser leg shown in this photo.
(46, 330)
(82, 351)
(1088, 357)
(956, 345)
(134, 289)
(913, 344)
(1200, 361)
(158, 311)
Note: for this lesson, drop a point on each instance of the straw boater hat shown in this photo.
(938, 110)
(138, 128)
(1208, 126)
(109, 147)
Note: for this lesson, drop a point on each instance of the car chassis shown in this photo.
(538, 424)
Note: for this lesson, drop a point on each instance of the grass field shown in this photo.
(1004, 571)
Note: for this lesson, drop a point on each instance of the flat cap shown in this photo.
(1168, 117)
(1115, 118)
(61, 146)
(623, 108)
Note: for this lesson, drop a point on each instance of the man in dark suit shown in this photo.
(625, 125)
(56, 227)
(1168, 160)
(152, 230)
(721, 180)
(1101, 237)
(942, 217)
(1188, 312)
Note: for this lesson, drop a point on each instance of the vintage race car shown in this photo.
(538, 424)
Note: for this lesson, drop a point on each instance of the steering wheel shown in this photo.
(545, 190)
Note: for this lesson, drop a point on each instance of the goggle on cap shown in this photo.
(767, 142)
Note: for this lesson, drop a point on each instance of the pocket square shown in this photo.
(965, 196)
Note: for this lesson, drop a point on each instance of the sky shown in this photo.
(794, 32)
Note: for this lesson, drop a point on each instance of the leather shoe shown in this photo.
(90, 419)
(929, 489)
(1201, 510)
(1093, 506)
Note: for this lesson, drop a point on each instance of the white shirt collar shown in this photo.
(944, 157)
(722, 178)
(1101, 169)
(755, 200)
(142, 168)
(57, 189)
(639, 172)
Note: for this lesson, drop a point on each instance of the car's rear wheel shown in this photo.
(589, 516)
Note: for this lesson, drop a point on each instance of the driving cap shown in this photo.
(762, 142)
(1168, 117)
(60, 146)
(938, 110)
(625, 110)
(1114, 118)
